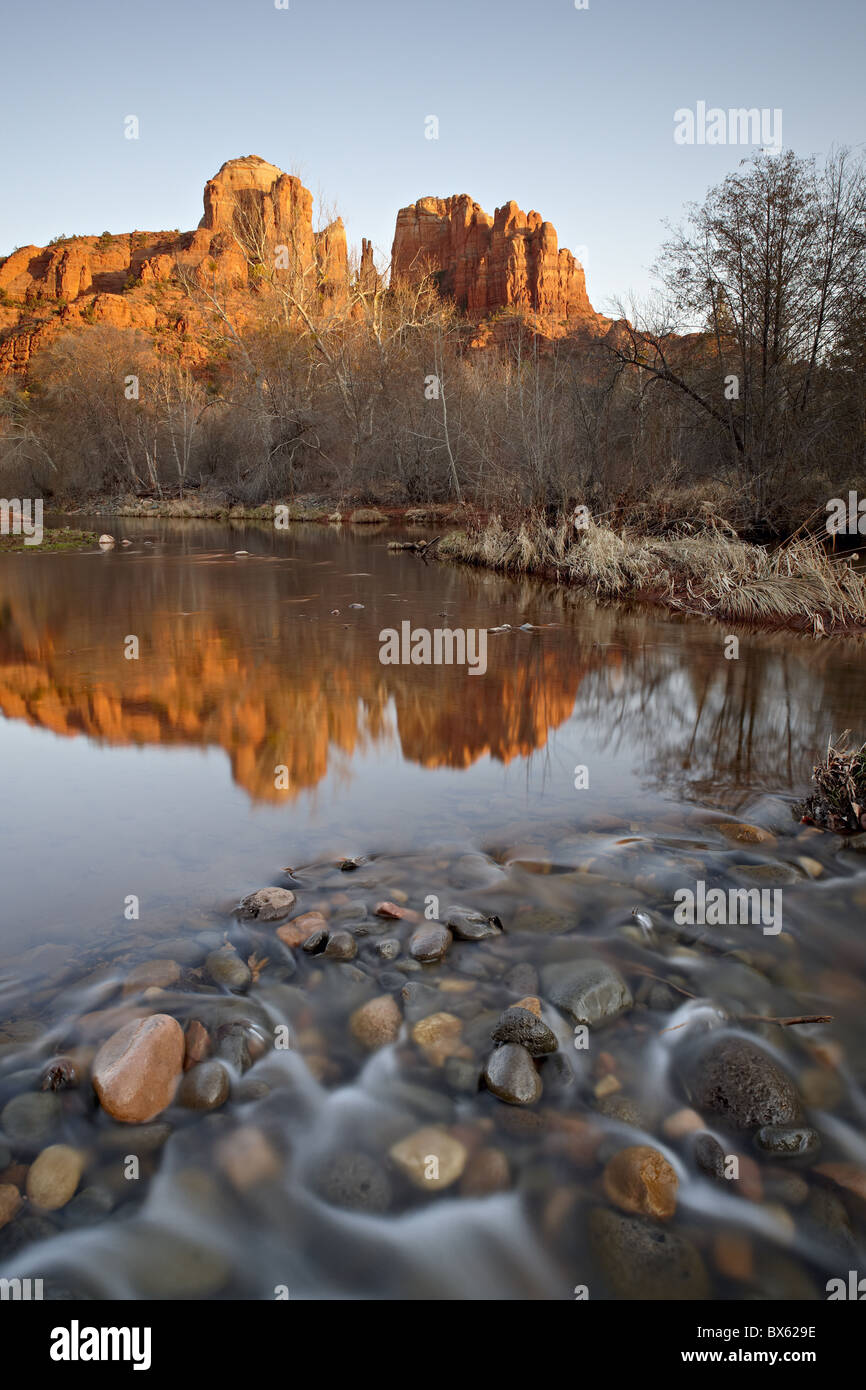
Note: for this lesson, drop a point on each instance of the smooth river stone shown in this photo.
(29, 1119)
(204, 1087)
(641, 1260)
(376, 1023)
(430, 1158)
(588, 992)
(226, 968)
(640, 1179)
(430, 942)
(162, 973)
(469, 925)
(10, 1202)
(511, 1075)
(296, 932)
(136, 1072)
(268, 904)
(54, 1176)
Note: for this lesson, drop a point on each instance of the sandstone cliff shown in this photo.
(148, 280)
(511, 260)
(141, 279)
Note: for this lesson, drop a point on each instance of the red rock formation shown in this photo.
(368, 276)
(487, 263)
(332, 258)
(251, 210)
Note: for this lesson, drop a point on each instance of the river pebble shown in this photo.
(316, 942)
(10, 1202)
(737, 1080)
(355, 1182)
(640, 1260)
(430, 942)
(54, 1177)
(640, 1179)
(511, 1075)
(439, 1036)
(268, 904)
(226, 968)
(487, 1171)
(468, 925)
(300, 929)
(588, 991)
(788, 1143)
(29, 1119)
(430, 1158)
(162, 973)
(204, 1087)
(519, 1025)
(376, 1023)
(135, 1073)
(341, 946)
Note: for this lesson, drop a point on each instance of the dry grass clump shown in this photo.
(708, 571)
(839, 801)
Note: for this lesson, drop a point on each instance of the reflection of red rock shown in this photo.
(204, 683)
(487, 263)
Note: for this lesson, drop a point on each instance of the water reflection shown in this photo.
(247, 655)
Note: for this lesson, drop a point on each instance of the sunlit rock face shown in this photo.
(251, 209)
(511, 260)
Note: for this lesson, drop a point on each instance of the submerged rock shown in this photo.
(54, 1176)
(439, 1036)
(468, 925)
(511, 1075)
(430, 1158)
(268, 904)
(388, 947)
(136, 1072)
(520, 1025)
(589, 991)
(226, 968)
(487, 1171)
(341, 945)
(710, 1156)
(162, 973)
(355, 1182)
(736, 1079)
(430, 942)
(376, 1023)
(300, 929)
(641, 1260)
(788, 1143)
(640, 1179)
(204, 1087)
(739, 833)
(29, 1119)
(10, 1202)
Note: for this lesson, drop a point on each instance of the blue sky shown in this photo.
(568, 111)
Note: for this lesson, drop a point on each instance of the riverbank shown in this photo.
(711, 572)
(700, 567)
(280, 511)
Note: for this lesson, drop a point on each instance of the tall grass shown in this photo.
(708, 571)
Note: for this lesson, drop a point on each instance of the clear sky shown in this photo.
(568, 111)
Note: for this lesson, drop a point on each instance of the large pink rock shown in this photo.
(136, 1072)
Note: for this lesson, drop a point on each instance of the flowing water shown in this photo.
(596, 767)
